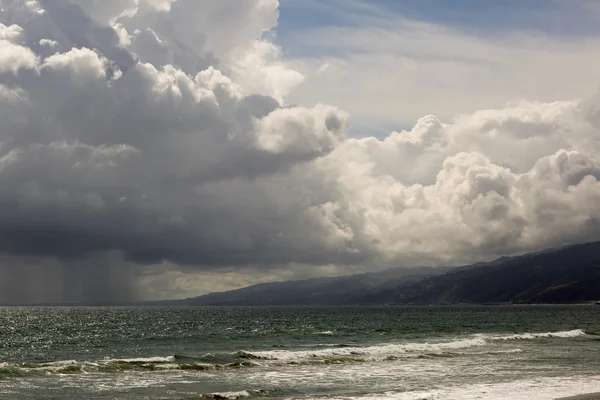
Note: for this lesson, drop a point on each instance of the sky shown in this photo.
(160, 149)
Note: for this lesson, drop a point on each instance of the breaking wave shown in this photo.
(403, 350)
(113, 365)
(372, 353)
(530, 336)
(325, 333)
(239, 394)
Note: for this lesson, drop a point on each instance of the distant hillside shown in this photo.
(369, 288)
(567, 275)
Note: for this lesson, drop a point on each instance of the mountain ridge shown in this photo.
(339, 290)
(569, 274)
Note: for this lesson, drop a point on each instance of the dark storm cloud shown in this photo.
(123, 161)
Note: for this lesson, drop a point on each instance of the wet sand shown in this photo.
(589, 396)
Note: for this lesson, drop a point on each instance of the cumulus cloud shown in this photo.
(14, 57)
(491, 183)
(150, 135)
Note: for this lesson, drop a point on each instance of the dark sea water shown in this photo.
(495, 352)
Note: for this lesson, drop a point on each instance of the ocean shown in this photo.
(454, 352)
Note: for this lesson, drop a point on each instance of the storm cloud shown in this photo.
(143, 132)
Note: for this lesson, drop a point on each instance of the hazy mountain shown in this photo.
(567, 275)
(368, 288)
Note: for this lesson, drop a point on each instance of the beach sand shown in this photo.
(589, 396)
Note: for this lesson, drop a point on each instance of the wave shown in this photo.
(530, 336)
(372, 353)
(328, 361)
(403, 350)
(7, 370)
(510, 351)
(320, 345)
(236, 395)
(225, 395)
(114, 365)
(239, 394)
(184, 357)
(249, 355)
(142, 360)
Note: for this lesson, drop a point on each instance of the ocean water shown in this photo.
(493, 352)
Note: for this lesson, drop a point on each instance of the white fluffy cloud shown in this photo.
(14, 57)
(149, 132)
(491, 183)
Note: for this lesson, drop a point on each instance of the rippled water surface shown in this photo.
(496, 352)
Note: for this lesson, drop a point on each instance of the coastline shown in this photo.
(587, 396)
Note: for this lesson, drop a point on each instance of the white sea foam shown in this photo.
(510, 351)
(378, 352)
(231, 395)
(50, 367)
(60, 363)
(168, 359)
(533, 389)
(531, 336)
(381, 352)
(74, 365)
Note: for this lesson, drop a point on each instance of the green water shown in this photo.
(403, 353)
